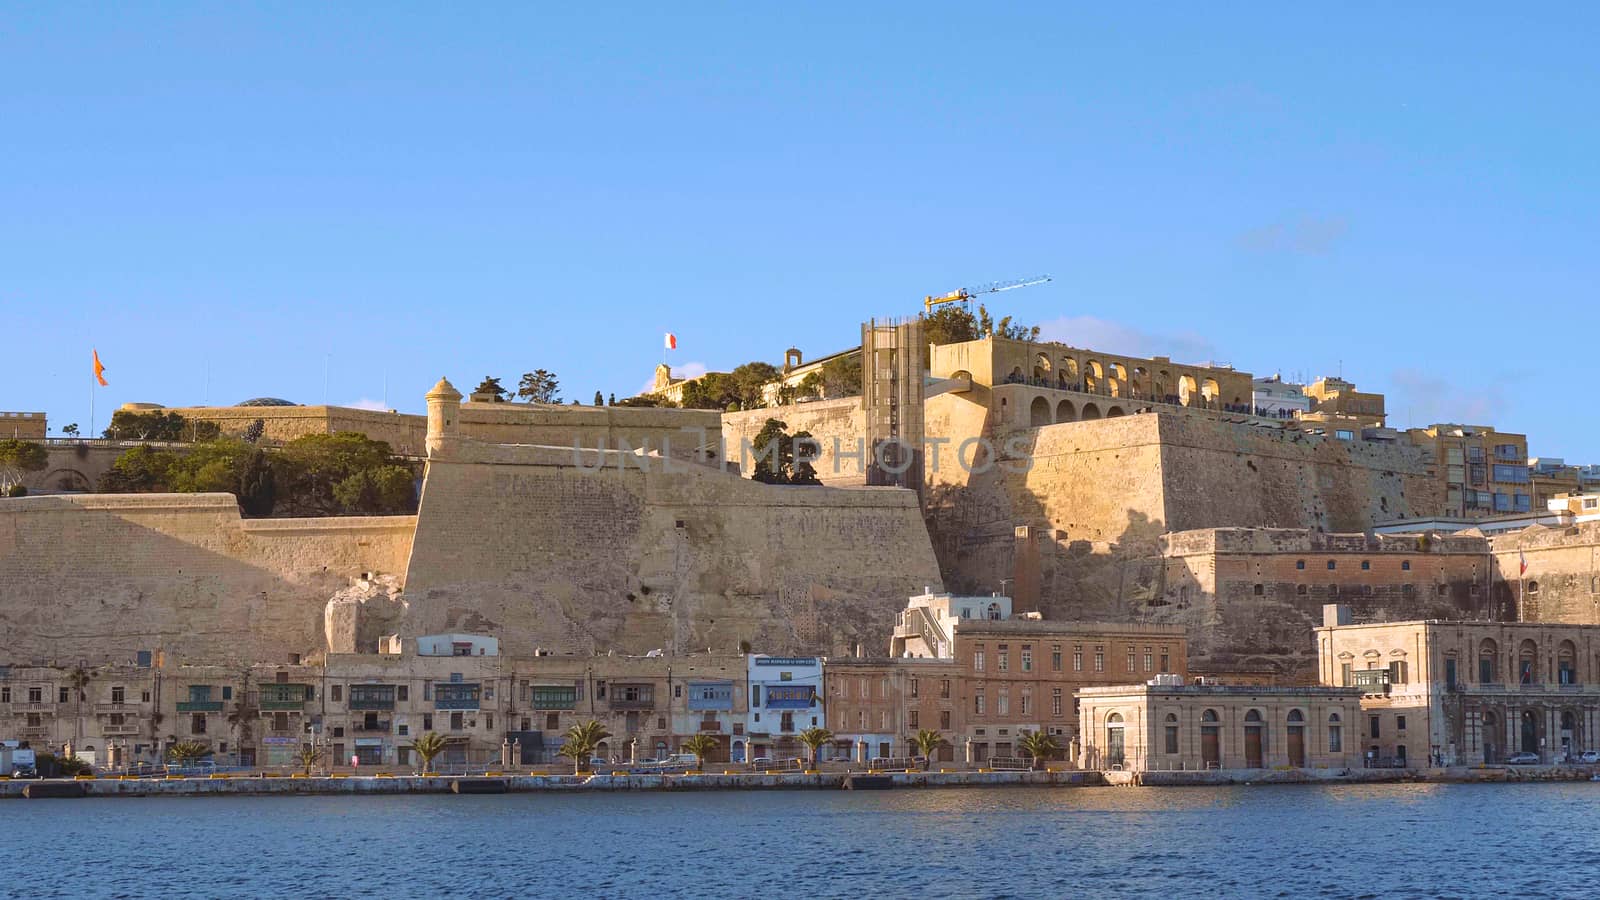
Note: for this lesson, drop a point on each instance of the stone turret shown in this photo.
(444, 414)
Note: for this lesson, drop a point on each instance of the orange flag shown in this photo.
(99, 370)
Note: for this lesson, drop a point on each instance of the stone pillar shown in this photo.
(633, 751)
(444, 413)
(862, 753)
(505, 753)
(516, 755)
(969, 751)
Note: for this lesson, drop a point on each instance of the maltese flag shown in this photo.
(671, 341)
(1522, 560)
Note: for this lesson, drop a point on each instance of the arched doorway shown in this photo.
(1117, 380)
(1211, 392)
(1039, 412)
(1041, 370)
(1093, 378)
(1569, 733)
(1210, 740)
(1113, 412)
(1090, 412)
(1069, 373)
(1297, 739)
(1188, 390)
(1137, 382)
(1529, 732)
(736, 753)
(1116, 746)
(1065, 412)
(1254, 739)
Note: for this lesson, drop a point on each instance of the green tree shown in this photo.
(599, 399)
(79, 679)
(750, 381)
(491, 386)
(253, 432)
(812, 385)
(539, 386)
(71, 430)
(155, 425)
(774, 453)
(702, 746)
(581, 742)
(802, 455)
(814, 738)
(257, 486)
(139, 469)
(309, 756)
(928, 743)
(841, 376)
(427, 747)
(243, 715)
(322, 474)
(950, 324)
(17, 457)
(1038, 745)
(644, 400)
(1004, 328)
(713, 390)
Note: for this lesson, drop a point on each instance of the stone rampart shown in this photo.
(829, 421)
(1563, 579)
(524, 543)
(98, 576)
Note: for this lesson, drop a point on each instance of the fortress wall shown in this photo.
(100, 576)
(681, 431)
(842, 420)
(1220, 474)
(74, 467)
(520, 543)
(1563, 580)
(404, 432)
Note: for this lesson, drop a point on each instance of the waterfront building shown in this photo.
(1166, 724)
(1015, 674)
(1466, 692)
(785, 699)
(876, 705)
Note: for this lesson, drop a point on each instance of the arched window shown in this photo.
(1094, 377)
(1528, 663)
(1567, 663)
(1188, 390)
(1533, 587)
(1335, 734)
(1090, 412)
(1041, 369)
(1170, 733)
(1488, 662)
(1209, 715)
(1039, 412)
(1296, 715)
(1066, 412)
(1253, 715)
(1115, 741)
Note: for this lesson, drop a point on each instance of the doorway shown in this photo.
(1253, 742)
(1297, 739)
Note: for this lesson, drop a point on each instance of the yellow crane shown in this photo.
(993, 287)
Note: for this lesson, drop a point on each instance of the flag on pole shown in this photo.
(1523, 559)
(99, 370)
(671, 341)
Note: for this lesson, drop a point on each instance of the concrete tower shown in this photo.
(444, 413)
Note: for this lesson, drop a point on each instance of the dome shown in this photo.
(267, 401)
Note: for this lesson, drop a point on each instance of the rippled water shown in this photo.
(1335, 841)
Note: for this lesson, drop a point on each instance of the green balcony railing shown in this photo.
(193, 706)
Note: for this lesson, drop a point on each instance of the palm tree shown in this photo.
(1038, 745)
(701, 745)
(428, 746)
(309, 755)
(185, 752)
(242, 716)
(79, 678)
(928, 743)
(581, 741)
(814, 738)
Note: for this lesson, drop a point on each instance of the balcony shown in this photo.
(383, 726)
(277, 704)
(645, 703)
(200, 706)
(22, 706)
(105, 708)
(125, 729)
(33, 731)
(380, 704)
(467, 703)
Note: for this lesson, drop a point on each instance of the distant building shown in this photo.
(458, 645)
(1279, 399)
(23, 425)
(1484, 472)
(785, 699)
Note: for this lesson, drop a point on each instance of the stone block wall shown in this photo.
(842, 420)
(521, 543)
(100, 576)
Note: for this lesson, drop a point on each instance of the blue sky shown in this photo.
(401, 192)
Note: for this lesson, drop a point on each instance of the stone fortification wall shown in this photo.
(99, 576)
(1563, 579)
(682, 432)
(404, 432)
(76, 466)
(1219, 474)
(842, 420)
(522, 543)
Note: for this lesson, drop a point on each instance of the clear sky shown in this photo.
(390, 193)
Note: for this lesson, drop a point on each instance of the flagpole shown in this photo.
(92, 379)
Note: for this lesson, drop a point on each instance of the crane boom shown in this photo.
(993, 287)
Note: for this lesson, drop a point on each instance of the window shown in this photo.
(197, 723)
(1077, 657)
(1299, 564)
(1002, 704)
(913, 687)
(1149, 660)
(1397, 672)
(1166, 660)
(403, 692)
(977, 702)
(1366, 565)
(1450, 672)
(1344, 434)
(1533, 587)
(1027, 658)
(1335, 738)
(1408, 590)
(117, 694)
(944, 718)
(1399, 723)
(1332, 565)
(456, 721)
(1300, 589)
(911, 718)
(1055, 702)
(864, 692)
(1100, 659)
(1055, 651)
(944, 689)
(1372, 727)
(1405, 565)
(883, 720)
(5, 694)
(1344, 674)
(35, 695)
(1003, 659)
(337, 693)
(552, 721)
(427, 722)
(1027, 703)
(977, 659)
(1260, 589)
(883, 689)
(1171, 733)
(1130, 659)
(227, 693)
(64, 695)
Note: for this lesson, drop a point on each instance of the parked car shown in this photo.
(761, 761)
(1589, 757)
(596, 762)
(24, 772)
(1523, 759)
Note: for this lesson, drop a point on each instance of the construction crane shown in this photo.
(993, 287)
